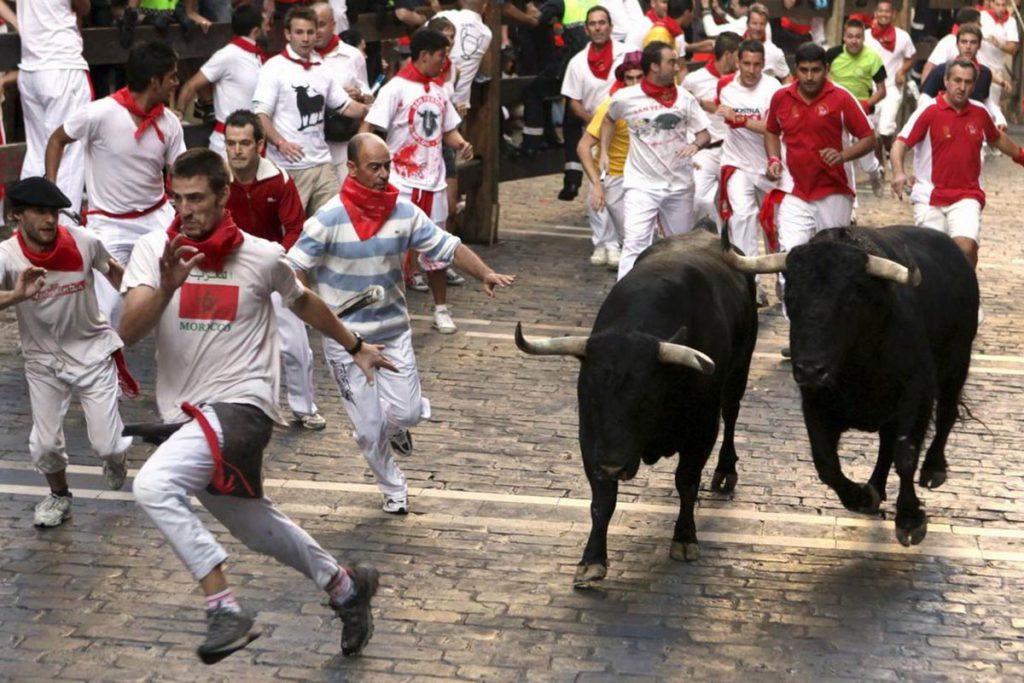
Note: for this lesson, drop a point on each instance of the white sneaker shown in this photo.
(52, 510)
(396, 506)
(876, 183)
(599, 257)
(762, 296)
(443, 322)
(981, 315)
(613, 256)
(453, 278)
(115, 471)
(313, 423)
(417, 283)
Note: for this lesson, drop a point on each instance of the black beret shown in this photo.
(39, 192)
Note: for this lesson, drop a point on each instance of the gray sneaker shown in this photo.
(401, 442)
(115, 470)
(52, 510)
(355, 613)
(226, 632)
(396, 506)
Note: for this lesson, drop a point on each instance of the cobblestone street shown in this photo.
(477, 580)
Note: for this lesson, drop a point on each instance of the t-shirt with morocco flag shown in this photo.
(806, 128)
(744, 148)
(217, 341)
(947, 151)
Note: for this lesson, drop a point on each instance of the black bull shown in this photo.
(644, 396)
(879, 346)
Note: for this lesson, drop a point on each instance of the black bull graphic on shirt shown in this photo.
(311, 107)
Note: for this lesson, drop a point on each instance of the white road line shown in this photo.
(544, 233)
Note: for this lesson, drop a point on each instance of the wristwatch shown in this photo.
(358, 346)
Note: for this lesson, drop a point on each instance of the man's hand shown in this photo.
(900, 182)
(901, 79)
(372, 356)
(492, 280)
(774, 170)
(831, 156)
(292, 151)
(29, 282)
(687, 151)
(174, 268)
(465, 151)
(597, 198)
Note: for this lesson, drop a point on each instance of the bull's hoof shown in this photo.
(908, 536)
(723, 483)
(873, 500)
(932, 479)
(588, 573)
(684, 552)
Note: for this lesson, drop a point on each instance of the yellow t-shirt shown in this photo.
(618, 149)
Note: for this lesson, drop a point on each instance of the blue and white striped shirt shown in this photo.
(342, 265)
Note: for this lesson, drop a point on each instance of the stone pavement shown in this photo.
(477, 580)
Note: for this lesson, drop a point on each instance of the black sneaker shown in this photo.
(786, 353)
(226, 632)
(401, 443)
(355, 614)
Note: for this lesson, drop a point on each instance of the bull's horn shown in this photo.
(677, 354)
(890, 270)
(771, 263)
(553, 346)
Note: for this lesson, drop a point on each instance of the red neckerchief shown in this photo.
(367, 208)
(995, 17)
(218, 245)
(306, 64)
(955, 30)
(445, 70)
(664, 94)
(329, 47)
(886, 36)
(600, 60)
(149, 118)
(712, 69)
(667, 22)
(250, 47)
(410, 73)
(616, 87)
(64, 256)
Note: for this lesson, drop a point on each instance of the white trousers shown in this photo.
(216, 144)
(959, 219)
(50, 391)
(798, 220)
(48, 99)
(707, 168)
(614, 195)
(602, 232)
(118, 235)
(394, 402)
(643, 208)
(297, 357)
(886, 111)
(746, 192)
(182, 467)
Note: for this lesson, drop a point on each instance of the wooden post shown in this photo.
(479, 223)
(834, 25)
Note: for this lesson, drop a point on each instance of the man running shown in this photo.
(358, 238)
(205, 287)
(46, 270)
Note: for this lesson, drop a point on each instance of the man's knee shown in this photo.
(150, 488)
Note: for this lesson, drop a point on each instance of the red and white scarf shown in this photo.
(410, 73)
(664, 94)
(250, 47)
(367, 208)
(149, 118)
(667, 22)
(885, 35)
(64, 256)
(600, 59)
(216, 247)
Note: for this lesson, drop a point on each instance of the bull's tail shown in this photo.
(964, 414)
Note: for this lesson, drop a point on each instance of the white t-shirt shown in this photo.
(49, 36)
(339, 8)
(61, 327)
(904, 49)
(217, 341)
(416, 120)
(637, 32)
(775, 63)
(990, 55)
(472, 38)
(944, 50)
(703, 85)
(656, 133)
(580, 82)
(349, 64)
(743, 148)
(235, 73)
(618, 13)
(295, 98)
(123, 174)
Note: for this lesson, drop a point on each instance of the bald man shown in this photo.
(339, 254)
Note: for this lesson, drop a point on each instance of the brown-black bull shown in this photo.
(667, 359)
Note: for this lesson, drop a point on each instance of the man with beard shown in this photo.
(662, 118)
(129, 138)
(588, 79)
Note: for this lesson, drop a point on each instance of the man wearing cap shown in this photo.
(46, 272)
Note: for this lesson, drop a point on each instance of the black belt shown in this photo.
(713, 145)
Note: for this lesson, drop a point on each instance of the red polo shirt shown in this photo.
(808, 127)
(947, 150)
(268, 207)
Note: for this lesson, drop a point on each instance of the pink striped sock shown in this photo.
(341, 587)
(223, 600)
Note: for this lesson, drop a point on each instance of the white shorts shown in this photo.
(435, 205)
(798, 220)
(884, 117)
(959, 219)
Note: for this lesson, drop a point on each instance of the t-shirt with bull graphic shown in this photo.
(294, 98)
(217, 339)
(656, 135)
(416, 120)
